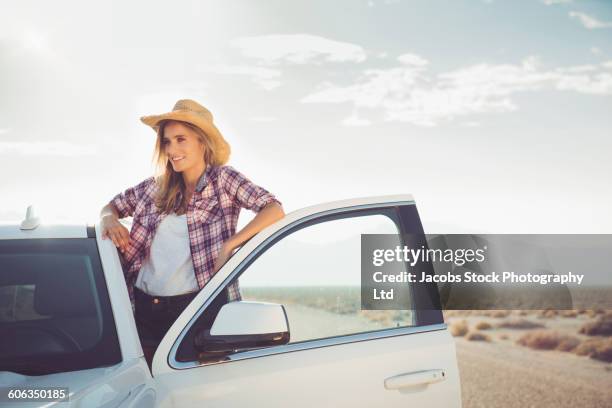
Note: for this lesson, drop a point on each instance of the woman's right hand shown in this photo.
(117, 232)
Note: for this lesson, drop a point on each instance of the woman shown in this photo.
(184, 219)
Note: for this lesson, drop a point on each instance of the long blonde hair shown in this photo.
(171, 186)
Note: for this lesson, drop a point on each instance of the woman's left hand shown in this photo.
(224, 255)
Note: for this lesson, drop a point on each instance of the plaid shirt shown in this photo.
(212, 216)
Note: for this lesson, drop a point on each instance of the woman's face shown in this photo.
(182, 146)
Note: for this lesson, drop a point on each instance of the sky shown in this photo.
(495, 115)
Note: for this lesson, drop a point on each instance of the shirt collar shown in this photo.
(203, 181)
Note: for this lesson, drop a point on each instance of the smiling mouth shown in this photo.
(177, 159)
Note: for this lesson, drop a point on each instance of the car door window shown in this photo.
(315, 272)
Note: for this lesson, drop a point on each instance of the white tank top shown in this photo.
(168, 270)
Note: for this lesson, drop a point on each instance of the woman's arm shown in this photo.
(268, 215)
(121, 206)
(108, 210)
(113, 229)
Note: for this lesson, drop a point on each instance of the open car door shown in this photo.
(306, 269)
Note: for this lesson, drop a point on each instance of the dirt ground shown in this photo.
(503, 374)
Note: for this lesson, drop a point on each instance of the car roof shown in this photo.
(12, 231)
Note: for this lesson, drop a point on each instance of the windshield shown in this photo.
(55, 314)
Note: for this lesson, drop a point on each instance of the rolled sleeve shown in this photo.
(125, 203)
(244, 192)
(233, 292)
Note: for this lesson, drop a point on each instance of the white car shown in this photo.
(297, 338)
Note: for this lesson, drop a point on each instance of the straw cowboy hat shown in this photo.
(187, 110)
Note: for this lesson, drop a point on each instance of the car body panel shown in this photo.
(95, 387)
(12, 231)
(120, 301)
(330, 376)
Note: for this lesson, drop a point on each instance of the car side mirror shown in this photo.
(245, 325)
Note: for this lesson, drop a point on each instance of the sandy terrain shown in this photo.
(504, 374)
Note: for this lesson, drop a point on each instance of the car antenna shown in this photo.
(31, 221)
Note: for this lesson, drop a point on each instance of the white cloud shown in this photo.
(57, 148)
(371, 90)
(413, 60)
(552, 2)
(3, 131)
(596, 50)
(602, 85)
(355, 120)
(578, 69)
(298, 49)
(589, 22)
(266, 78)
(406, 94)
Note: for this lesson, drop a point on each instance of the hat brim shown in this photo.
(220, 145)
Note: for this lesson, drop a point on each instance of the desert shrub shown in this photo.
(477, 336)
(523, 312)
(600, 327)
(459, 313)
(547, 314)
(568, 343)
(587, 347)
(459, 329)
(595, 312)
(548, 340)
(382, 317)
(503, 336)
(483, 326)
(499, 314)
(603, 353)
(569, 313)
(520, 324)
(598, 349)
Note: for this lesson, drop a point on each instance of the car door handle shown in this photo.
(414, 379)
